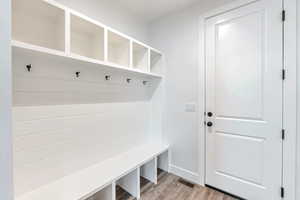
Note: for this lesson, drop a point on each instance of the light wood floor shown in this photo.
(169, 187)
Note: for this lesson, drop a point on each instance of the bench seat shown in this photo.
(84, 183)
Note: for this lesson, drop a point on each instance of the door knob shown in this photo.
(209, 124)
(209, 114)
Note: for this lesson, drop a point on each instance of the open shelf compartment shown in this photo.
(38, 23)
(148, 171)
(156, 62)
(87, 39)
(163, 162)
(118, 49)
(129, 183)
(140, 58)
(107, 193)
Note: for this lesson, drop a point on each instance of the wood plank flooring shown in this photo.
(169, 187)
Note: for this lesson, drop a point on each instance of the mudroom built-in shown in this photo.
(150, 100)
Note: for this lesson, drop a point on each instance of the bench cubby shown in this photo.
(107, 193)
(149, 170)
(131, 183)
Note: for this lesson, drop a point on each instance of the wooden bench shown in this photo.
(101, 179)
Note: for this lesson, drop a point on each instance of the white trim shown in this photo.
(105, 45)
(290, 93)
(131, 54)
(290, 100)
(186, 174)
(6, 180)
(230, 6)
(201, 99)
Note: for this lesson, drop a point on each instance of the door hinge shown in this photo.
(283, 15)
(282, 192)
(283, 134)
(283, 74)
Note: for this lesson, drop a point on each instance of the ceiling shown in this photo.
(150, 10)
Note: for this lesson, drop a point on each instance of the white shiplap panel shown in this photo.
(51, 82)
(62, 124)
(53, 141)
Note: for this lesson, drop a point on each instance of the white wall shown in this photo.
(112, 14)
(6, 190)
(177, 36)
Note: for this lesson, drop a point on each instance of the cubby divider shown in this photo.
(149, 170)
(131, 183)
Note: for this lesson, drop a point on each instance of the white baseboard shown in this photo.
(186, 174)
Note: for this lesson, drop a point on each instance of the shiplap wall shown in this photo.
(62, 123)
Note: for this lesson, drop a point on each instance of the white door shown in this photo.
(244, 96)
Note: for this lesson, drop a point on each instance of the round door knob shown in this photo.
(209, 114)
(209, 124)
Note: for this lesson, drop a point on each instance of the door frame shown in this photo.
(6, 165)
(289, 94)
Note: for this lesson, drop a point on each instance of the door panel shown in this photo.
(236, 154)
(241, 34)
(244, 93)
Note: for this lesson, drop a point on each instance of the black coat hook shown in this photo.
(128, 80)
(107, 77)
(28, 67)
(77, 74)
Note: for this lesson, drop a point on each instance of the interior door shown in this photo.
(244, 100)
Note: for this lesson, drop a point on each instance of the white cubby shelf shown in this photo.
(156, 62)
(47, 27)
(87, 39)
(140, 57)
(99, 181)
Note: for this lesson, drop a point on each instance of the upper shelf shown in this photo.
(87, 39)
(35, 51)
(46, 27)
(140, 57)
(118, 49)
(39, 23)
